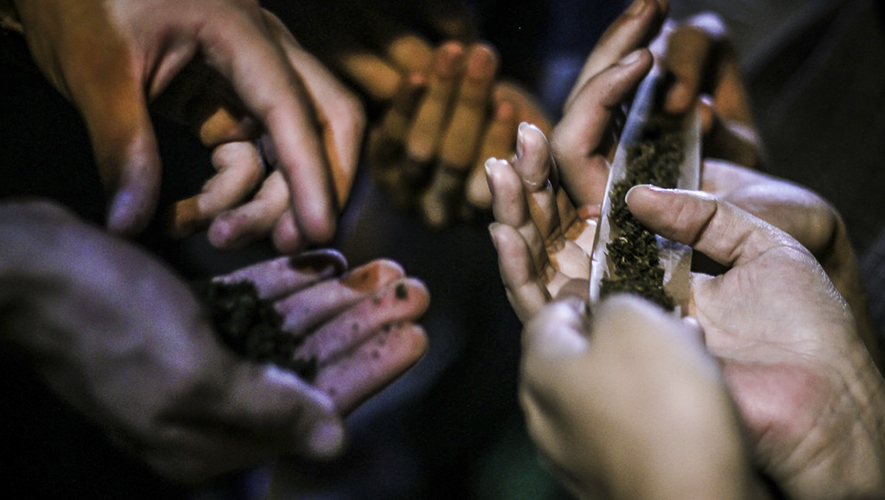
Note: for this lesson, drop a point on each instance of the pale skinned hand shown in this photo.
(581, 145)
(705, 71)
(627, 404)
(111, 59)
(124, 341)
(544, 243)
(788, 344)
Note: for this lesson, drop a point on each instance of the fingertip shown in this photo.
(482, 62)
(642, 193)
(448, 60)
(327, 439)
(679, 99)
(130, 210)
(286, 234)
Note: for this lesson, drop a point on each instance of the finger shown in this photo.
(534, 164)
(498, 142)
(405, 49)
(723, 232)
(688, 58)
(286, 275)
(461, 140)
(308, 309)
(256, 219)
(732, 140)
(632, 30)
(114, 108)
(204, 99)
(361, 373)
(387, 142)
(279, 100)
(376, 76)
(800, 213)
(510, 207)
(240, 169)
(525, 288)
(286, 236)
(424, 138)
(704, 61)
(461, 137)
(403, 300)
(536, 170)
(339, 114)
(291, 415)
(558, 330)
(579, 136)
(527, 108)
(411, 53)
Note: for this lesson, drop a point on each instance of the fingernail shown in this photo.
(324, 263)
(326, 439)
(123, 214)
(520, 136)
(630, 58)
(649, 187)
(635, 8)
(488, 165)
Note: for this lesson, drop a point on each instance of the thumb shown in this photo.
(283, 409)
(125, 150)
(554, 335)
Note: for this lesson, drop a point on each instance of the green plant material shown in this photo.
(653, 159)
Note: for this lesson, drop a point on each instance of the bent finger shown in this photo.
(240, 169)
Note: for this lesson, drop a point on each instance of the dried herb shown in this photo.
(252, 326)
(654, 158)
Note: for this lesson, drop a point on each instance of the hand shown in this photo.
(442, 111)
(543, 238)
(629, 405)
(111, 58)
(427, 151)
(122, 340)
(202, 97)
(706, 71)
(805, 216)
(788, 344)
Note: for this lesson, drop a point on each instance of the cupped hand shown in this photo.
(627, 404)
(124, 341)
(788, 344)
(805, 216)
(112, 58)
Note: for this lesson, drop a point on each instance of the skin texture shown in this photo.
(792, 350)
(582, 144)
(122, 340)
(238, 77)
(443, 109)
(627, 404)
(788, 345)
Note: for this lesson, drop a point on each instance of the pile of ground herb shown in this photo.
(251, 326)
(654, 158)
